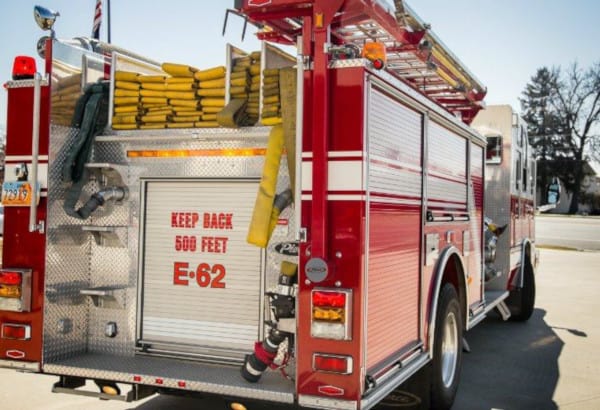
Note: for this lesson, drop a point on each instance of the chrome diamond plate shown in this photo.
(75, 325)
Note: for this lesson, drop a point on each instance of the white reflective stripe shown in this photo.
(333, 197)
(336, 154)
(341, 176)
(339, 154)
(26, 158)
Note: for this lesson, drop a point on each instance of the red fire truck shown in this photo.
(400, 216)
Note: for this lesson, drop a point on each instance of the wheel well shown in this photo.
(455, 275)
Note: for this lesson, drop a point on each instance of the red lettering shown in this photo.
(217, 221)
(204, 275)
(185, 243)
(213, 244)
(184, 219)
(179, 274)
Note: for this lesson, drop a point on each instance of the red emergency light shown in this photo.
(24, 67)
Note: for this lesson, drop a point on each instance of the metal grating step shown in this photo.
(170, 373)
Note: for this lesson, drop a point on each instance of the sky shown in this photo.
(502, 42)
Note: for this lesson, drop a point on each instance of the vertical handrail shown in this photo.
(35, 150)
(299, 137)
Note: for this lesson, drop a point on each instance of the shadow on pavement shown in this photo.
(511, 365)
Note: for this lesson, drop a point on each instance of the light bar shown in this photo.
(186, 153)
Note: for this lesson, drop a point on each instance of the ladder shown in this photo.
(414, 53)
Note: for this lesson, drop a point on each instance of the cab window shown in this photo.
(493, 153)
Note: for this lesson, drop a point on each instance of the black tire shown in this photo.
(447, 349)
(521, 302)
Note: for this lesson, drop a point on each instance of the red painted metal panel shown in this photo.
(344, 238)
(22, 249)
(393, 280)
(347, 108)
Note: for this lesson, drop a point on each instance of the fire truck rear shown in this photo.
(309, 230)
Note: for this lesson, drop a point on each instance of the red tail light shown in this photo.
(331, 314)
(10, 278)
(332, 363)
(15, 331)
(15, 290)
(331, 299)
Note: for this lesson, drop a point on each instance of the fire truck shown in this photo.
(317, 261)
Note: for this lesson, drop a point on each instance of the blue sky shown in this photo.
(502, 42)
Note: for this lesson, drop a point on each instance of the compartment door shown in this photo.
(201, 283)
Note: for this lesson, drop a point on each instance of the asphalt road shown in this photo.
(568, 231)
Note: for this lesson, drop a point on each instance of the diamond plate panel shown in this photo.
(75, 323)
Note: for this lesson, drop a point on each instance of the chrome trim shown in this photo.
(299, 137)
(439, 273)
(34, 226)
(365, 269)
(450, 346)
(423, 292)
(386, 388)
(326, 403)
(18, 365)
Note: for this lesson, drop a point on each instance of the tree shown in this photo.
(562, 109)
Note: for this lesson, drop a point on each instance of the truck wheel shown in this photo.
(521, 302)
(447, 349)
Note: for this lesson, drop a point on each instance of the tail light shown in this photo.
(332, 363)
(15, 290)
(331, 314)
(15, 331)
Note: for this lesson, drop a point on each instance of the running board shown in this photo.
(396, 379)
(493, 300)
(70, 385)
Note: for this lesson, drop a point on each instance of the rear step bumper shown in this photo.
(70, 385)
(158, 373)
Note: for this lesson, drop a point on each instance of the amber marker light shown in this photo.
(188, 153)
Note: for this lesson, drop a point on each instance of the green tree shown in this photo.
(562, 108)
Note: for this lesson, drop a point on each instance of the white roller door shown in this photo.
(201, 280)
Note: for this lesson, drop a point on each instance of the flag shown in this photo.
(97, 20)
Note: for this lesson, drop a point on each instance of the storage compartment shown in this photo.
(200, 281)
